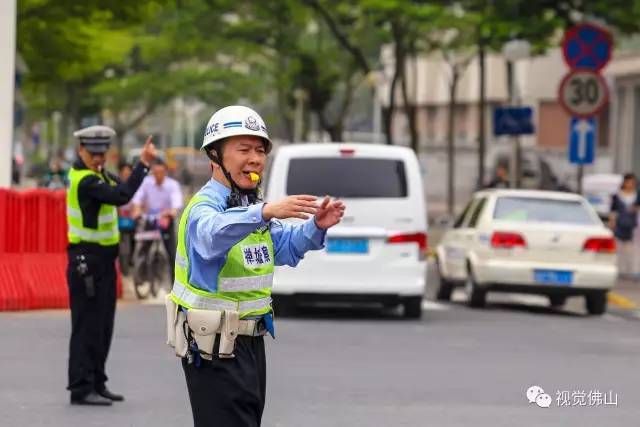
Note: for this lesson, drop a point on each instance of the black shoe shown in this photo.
(93, 399)
(111, 396)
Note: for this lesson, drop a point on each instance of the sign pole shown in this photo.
(580, 175)
(583, 93)
(7, 79)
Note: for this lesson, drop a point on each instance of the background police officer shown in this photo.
(228, 244)
(92, 197)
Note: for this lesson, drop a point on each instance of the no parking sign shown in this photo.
(587, 46)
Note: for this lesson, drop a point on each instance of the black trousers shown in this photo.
(229, 392)
(91, 323)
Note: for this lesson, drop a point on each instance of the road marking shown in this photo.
(535, 300)
(432, 305)
(459, 295)
(620, 301)
(611, 318)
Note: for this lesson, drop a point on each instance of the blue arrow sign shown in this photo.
(582, 141)
(513, 121)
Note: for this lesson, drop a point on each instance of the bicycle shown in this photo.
(150, 260)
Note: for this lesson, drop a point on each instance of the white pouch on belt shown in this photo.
(204, 324)
(172, 318)
(228, 334)
(181, 339)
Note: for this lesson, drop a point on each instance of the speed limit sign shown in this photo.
(583, 93)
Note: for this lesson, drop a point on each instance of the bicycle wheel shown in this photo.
(124, 254)
(158, 269)
(141, 275)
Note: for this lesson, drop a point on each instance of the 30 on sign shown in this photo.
(583, 93)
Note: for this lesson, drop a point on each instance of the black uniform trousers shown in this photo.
(229, 392)
(91, 323)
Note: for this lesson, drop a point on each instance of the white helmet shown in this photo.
(232, 121)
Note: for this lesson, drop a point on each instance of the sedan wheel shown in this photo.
(596, 303)
(445, 288)
(477, 296)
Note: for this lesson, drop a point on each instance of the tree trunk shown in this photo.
(481, 112)
(409, 105)
(389, 111)
(451, 141)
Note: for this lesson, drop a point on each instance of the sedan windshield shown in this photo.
(542, 210)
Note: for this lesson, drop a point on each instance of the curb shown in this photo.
(621, 301)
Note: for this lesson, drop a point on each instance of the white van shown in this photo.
(378, 252)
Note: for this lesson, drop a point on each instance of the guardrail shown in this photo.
(33, 243)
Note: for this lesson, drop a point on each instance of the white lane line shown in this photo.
(535, 300)
(432, 305)
(612, 318)
(459, 295)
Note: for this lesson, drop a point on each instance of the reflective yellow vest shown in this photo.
(244, 282)
(107, 233)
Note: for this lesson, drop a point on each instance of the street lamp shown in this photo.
(513, 51)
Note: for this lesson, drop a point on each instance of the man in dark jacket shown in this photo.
(92, 198)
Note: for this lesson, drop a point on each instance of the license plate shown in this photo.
(553, 277)
(348, 246)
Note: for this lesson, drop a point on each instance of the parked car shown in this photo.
(378, 252)
(536, 171)
(527, 241)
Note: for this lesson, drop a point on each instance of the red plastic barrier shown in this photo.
(33, 244)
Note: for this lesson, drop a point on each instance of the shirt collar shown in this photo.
(219, 188)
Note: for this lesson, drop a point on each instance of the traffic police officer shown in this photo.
(92, 197)
(228, 243)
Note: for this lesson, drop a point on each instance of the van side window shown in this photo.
(473, 221)
(464, 213)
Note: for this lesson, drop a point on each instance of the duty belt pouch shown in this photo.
(181, 334)
(172, 319)
(228, 334)
(204, 324)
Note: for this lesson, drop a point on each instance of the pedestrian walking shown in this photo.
(92, 197)
(623, 220)
(229, 241)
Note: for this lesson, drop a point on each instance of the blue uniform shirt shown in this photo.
(212, 230)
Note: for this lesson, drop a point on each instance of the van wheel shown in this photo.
(412, 307)
(445, 287)
(596, 303)
(477, 296)
(557, 301)
(282, 306)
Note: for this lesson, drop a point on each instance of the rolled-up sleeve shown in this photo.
(216, 230)
(291, 242)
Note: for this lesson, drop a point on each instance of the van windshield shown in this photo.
(347, 177)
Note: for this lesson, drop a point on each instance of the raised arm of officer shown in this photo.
(291, 242)
(121, 193)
